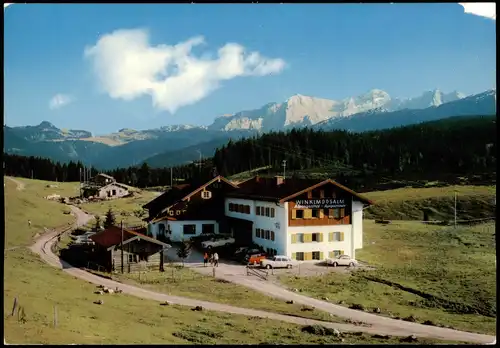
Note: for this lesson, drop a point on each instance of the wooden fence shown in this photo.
(261, 273)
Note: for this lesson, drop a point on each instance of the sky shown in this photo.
(103, 67)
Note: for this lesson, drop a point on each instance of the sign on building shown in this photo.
(320, 203)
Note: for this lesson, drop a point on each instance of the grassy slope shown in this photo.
(457, 265)
(122, 207)
(473, 202)
(121, 319)
(186, 282)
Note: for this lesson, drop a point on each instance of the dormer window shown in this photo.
(206, 194)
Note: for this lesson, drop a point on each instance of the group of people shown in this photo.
(213, 258)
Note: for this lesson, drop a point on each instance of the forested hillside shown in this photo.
(441, 150)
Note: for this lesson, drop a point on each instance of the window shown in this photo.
(257, 232)
(268, 212)
(315, 213)
(268, 234)
(189, 229)
(257, 210)
(131, 258)
(272, 212)
(336, 236)
(231, 207)
(321, 193)
(272, 235)
(299, 214)
(309, 195)
(247, 209)
(240, 208)
(143, 257)
(206, 194)
(316, 255)
(316, 237)
(114, 192)
(336, 213)
(300, 237)
(325, 212)
(335, 253)
(207, 228)
(299, 256)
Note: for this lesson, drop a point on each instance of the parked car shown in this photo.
(342, 260)
(197, 240)
(84, 235)
(278, 261)
(254, 259)
(217, 242)
(242, 252)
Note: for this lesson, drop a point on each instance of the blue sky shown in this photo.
(103, 68)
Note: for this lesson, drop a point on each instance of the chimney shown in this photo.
(279, 180)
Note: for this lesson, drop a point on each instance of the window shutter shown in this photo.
(330, 236)
(330, 254)
(294, 256)
(342, 212)
(321, 214)
(308, 256)
(330, 213)
(341, 252)
(307, 237)
(272, 212)
(307, 213)
(294, 238)
(341, 236)
(309, 195)
(321, 238)
(294, 214)
(321, 255)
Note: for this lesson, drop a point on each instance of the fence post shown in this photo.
(14, 307)
(213, 271)
(55, 316)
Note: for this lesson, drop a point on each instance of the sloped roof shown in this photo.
(182, 192)
(113, 236)
(267, 189)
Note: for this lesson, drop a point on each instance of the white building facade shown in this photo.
(272, 232)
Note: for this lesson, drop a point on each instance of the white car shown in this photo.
(86, 235)
(217, 242)
(342, 260)
(278, 261)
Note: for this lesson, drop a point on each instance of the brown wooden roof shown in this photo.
(181, 193)
(268, 190)
(113, 236)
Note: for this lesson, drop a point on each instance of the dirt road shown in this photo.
(380, 325)
(20, 185)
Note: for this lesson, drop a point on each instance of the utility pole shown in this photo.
(121, 225)
(80, 178)
(171, 177)
(199, 163)
(455, 209)
(284, 169)
(270, 166)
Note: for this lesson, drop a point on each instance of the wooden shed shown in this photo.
(138, 251)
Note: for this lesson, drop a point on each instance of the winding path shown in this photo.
(380, 325)
(20, 185)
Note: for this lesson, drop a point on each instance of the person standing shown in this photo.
(205, 259)
(216, 259)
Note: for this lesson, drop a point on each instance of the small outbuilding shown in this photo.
(134, 250)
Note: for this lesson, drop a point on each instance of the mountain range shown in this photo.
(179, 144)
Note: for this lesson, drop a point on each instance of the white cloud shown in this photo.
(128, 67)
(483, 9)
(60, 100)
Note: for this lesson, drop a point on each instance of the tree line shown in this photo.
(457, 146)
